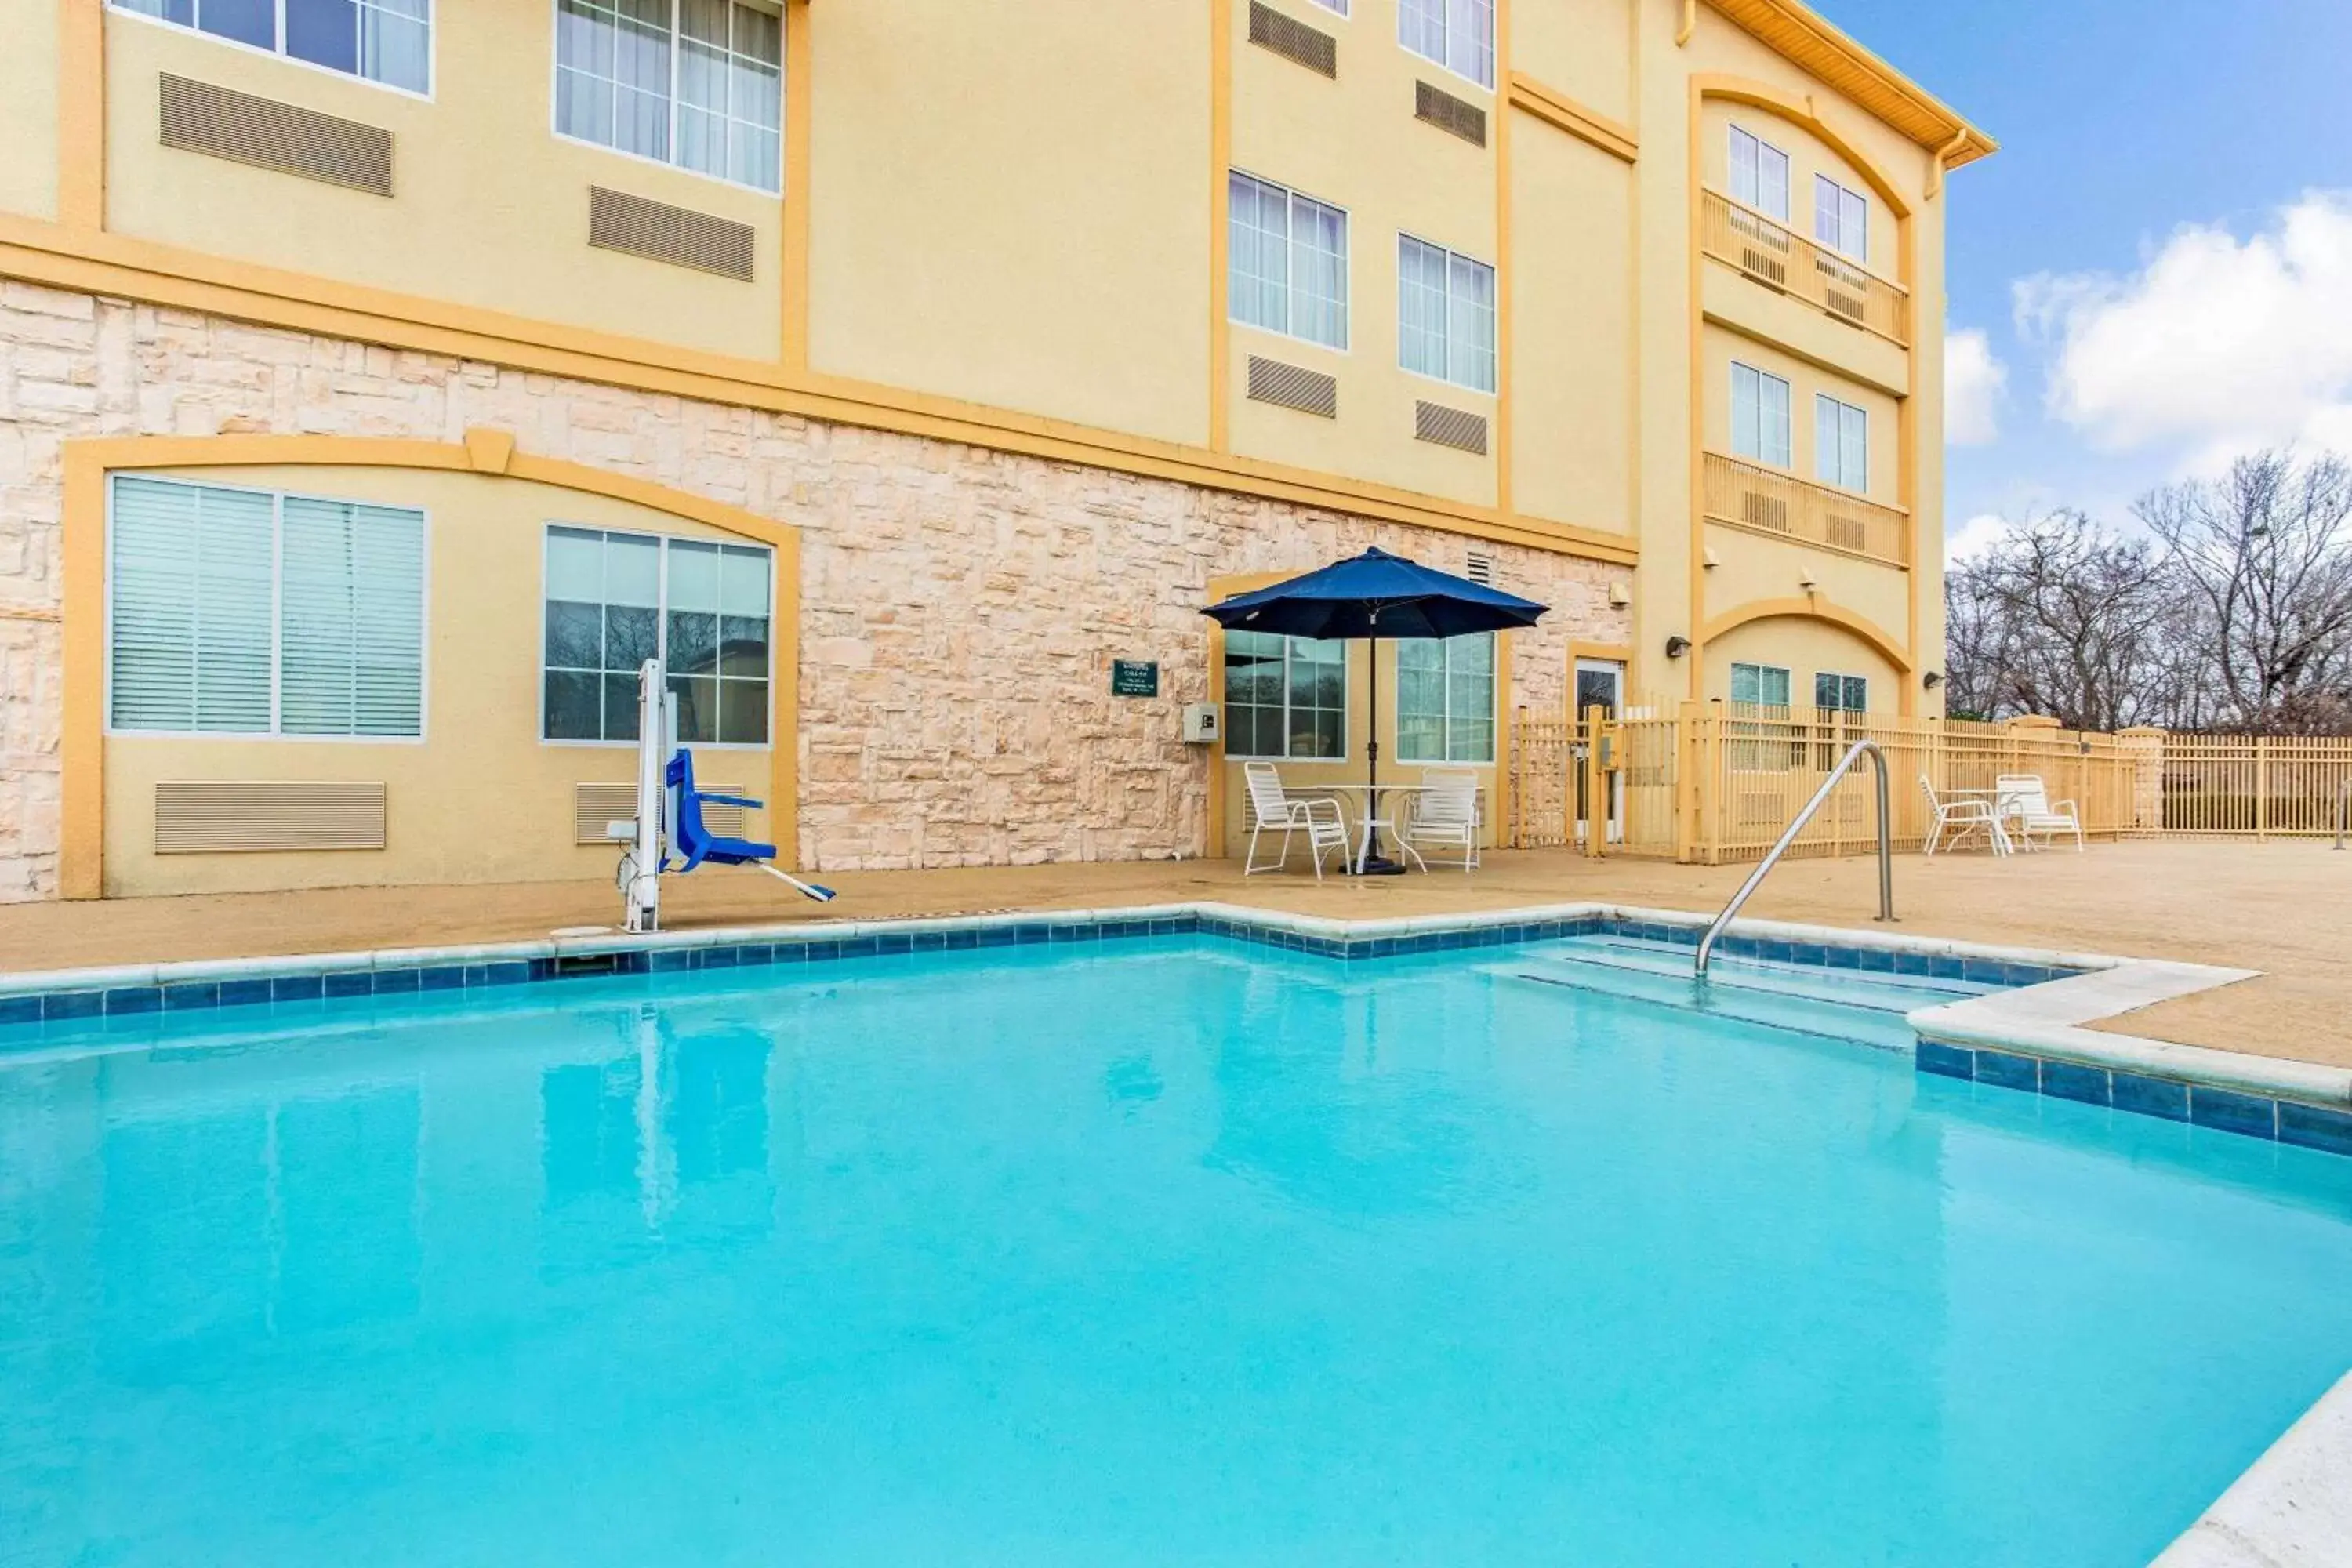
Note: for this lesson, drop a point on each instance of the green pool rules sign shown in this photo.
(1134, 678)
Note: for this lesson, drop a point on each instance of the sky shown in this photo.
(2154, 274)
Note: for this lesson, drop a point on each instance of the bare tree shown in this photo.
(2064, 619)
(2265, 556)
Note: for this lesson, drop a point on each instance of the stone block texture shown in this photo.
(960, 605)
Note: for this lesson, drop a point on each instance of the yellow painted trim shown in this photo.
(82, 739)
(1688, 24)
(1804, 112)
(81, 114)
(1810, 607)
(800, 78)
(1695, 480)
(1221, 588)
(1506, 273)
(110, 264)
(1220, 158)
(1561, 112)
(1800, 35)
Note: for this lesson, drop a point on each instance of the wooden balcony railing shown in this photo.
(1765, 501)
(1779, 257)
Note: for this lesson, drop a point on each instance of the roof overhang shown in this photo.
(1794, 31)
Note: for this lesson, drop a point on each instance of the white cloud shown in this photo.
(1973, 382)
(1974, 536)
(2216, 346)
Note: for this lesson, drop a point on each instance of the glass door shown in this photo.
(1599, 683)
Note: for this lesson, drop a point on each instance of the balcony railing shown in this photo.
(1779, 257)
(1765, 501)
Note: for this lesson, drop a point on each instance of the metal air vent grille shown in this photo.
(1294, 386)
(1449, 426)
(213, 817)
(1455, 116)
(1294, 40)
(197, 116)
(660, 232)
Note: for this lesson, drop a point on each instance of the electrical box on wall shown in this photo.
(1200, 724)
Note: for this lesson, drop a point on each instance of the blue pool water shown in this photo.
(1175, 1251)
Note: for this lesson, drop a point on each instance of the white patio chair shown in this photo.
(1273, 807)
(2025, 810)
(1444, 814)
(1964, 816)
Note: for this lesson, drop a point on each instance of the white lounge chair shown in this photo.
(2025, 810)
(1964, 816)
(1273, 807)
(1445, 816)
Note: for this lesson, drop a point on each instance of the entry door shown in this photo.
(1600, 683)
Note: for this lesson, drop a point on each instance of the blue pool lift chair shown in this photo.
(693, 841)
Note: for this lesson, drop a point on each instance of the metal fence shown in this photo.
(1717, 783)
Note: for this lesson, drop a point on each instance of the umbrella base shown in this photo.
(1379, 866)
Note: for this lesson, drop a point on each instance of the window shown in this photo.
(1759, 684)
(1338, 5)
(1285, 697)
(1288, 268)
(616, 600)
(1841, 218)
(390, 41)
(1759, 174)
(1840, 443)
(1445, 314)
(699, 83)
(1759, 416)
(1456, 34)
(1445, 699)
(250, 613)
(1842, 693)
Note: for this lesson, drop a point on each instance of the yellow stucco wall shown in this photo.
(481, 798)
(1583, 48)
(1805, 648)
(28, 111)
(1753, 568)
(1011, 206)
(490, 206)
(1571, 330)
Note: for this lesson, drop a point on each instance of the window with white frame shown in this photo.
(1456, 34)
(1337, 6)
(1759, 174)
(1759, 684)
(1759, 416)
(389, 41)
(1445, 699)
(1445, 314)
(698, 83)
(255, 613)
(1842, 693)
(1841, 218)
(1840, 443)
(616, 600)
(1285, 697)
(1287, 266)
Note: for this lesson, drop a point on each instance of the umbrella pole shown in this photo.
(1375, 861)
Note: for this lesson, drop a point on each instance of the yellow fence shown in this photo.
(1713, 783)
(1782, 259)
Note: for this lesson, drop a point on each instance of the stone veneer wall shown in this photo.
(960, 605)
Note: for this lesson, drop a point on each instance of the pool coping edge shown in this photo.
(2289, 1506)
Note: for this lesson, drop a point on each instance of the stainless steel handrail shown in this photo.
(1797, 826)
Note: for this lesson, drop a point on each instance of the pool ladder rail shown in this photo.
(1788, 836)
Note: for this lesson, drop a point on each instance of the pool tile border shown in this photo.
(2026, 1035)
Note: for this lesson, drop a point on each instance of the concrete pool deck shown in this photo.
(2283, 908)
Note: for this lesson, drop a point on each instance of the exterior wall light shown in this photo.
(1676, 646)
(1932, 680)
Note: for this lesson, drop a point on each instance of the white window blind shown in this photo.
(1445, 314)
(1445, 699)
(1841, 218)
(243, 611)
(389, 41)
(1759, 174)
(1759, 416)
(1288, 269)
(1456, 34)
(351, 619)
(699, 83)
(1840, 443)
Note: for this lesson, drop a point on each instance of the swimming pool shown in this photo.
(1161, 1249)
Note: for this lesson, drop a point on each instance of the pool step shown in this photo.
(1885, 992)
(1872, 1025)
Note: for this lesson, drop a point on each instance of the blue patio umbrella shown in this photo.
(1375, 596)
